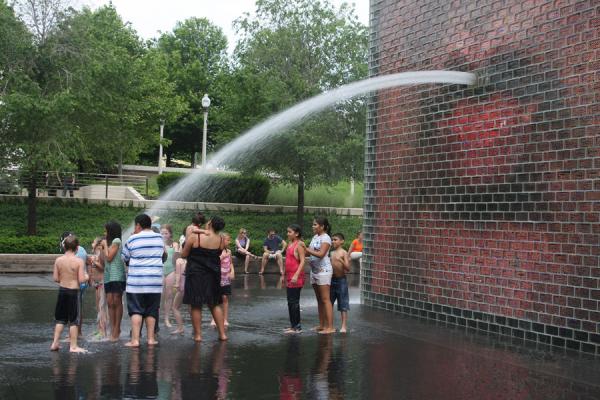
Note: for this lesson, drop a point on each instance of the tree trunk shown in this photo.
(300, 209)
(31, 205)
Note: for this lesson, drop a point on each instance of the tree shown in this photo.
(291, 51)
(196, 56)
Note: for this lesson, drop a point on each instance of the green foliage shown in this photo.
(222, 188)
(288, 52)
(197, 63)
(166, 179)
(87, 221)
(318, 196)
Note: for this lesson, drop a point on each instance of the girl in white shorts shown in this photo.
(321, 272)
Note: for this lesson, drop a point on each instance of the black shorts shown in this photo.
(114, 287)
(144, 304)
(67, 307)
(226, 290)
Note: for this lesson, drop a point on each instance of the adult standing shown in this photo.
(321, 272)
(114, 277)
(203, 275)
(144, 251)
(271, 247)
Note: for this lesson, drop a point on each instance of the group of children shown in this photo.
(106, 273)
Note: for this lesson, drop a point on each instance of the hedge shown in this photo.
(220, 188)
(29, 245)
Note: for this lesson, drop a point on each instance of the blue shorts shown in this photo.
(339, 292)
(144, 304)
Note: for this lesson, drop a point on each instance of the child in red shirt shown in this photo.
(294, 275)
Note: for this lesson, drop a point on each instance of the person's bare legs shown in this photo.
(263, 262)
(319, 306)
(279, 258)
(150, 325)
(136, 326)
(344, 315)
(217, 313)
(169, 281)
(177, 312)
(56, 341)
(196, 314)
(327, 308)
(225, 310)
(246, 263)
(115, 313)
(73, 348)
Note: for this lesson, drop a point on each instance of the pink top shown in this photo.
(291, 266)
(225, 269)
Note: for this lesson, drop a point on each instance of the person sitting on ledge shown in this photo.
(272, 250)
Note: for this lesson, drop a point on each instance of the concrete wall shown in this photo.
(482, 204)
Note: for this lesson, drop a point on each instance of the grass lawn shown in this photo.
(87, 221)
(319, 196)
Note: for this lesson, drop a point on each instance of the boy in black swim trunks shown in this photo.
(69, 272)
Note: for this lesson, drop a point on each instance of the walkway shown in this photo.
(385, 356)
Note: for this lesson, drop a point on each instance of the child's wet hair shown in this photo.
(71, 243)
(199, 219)
(296, 229)
(168, 228)
(339, 236)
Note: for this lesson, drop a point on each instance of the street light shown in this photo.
(205, 105)
(160, 147)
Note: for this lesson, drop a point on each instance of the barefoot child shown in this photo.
(227, 274)
(97, 272)
(294, 276)
(69, 272)
(178, 288)
(339, 285)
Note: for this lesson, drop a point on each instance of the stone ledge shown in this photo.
(198, 206)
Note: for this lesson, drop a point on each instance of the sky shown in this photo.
(149, 17)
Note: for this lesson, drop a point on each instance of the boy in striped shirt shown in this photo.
(144, 250)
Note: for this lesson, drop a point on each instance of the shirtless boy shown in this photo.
(69, 272)
(339, 285)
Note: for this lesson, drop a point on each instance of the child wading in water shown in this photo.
(339, 284)
(321, 272)
(172, 250)
(97, 259)
(294, 276)
(69, 272)
(227, 274)
(178, 287)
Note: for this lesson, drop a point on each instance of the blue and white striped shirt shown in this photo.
(144, 252)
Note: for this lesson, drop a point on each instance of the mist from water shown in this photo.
(261, 135)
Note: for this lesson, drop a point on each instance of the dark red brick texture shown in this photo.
(482, 204)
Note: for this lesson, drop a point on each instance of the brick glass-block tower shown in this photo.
(482, 204)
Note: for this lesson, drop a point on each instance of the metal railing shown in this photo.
(64, 184)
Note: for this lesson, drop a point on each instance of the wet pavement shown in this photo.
(384, 356)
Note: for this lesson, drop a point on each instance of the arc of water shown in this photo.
(294, 115)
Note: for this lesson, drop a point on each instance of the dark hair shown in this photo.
(324, 223)
(144, 221)
(297, 229)
(339, 235)
(199, 219)
(71, 243)
(271, 230)
(217, 223)
(113, 231)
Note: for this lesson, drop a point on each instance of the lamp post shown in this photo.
(160, 146)
(205, 105)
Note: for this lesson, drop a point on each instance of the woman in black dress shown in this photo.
(203, 275)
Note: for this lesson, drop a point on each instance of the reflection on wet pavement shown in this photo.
(384, 356)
